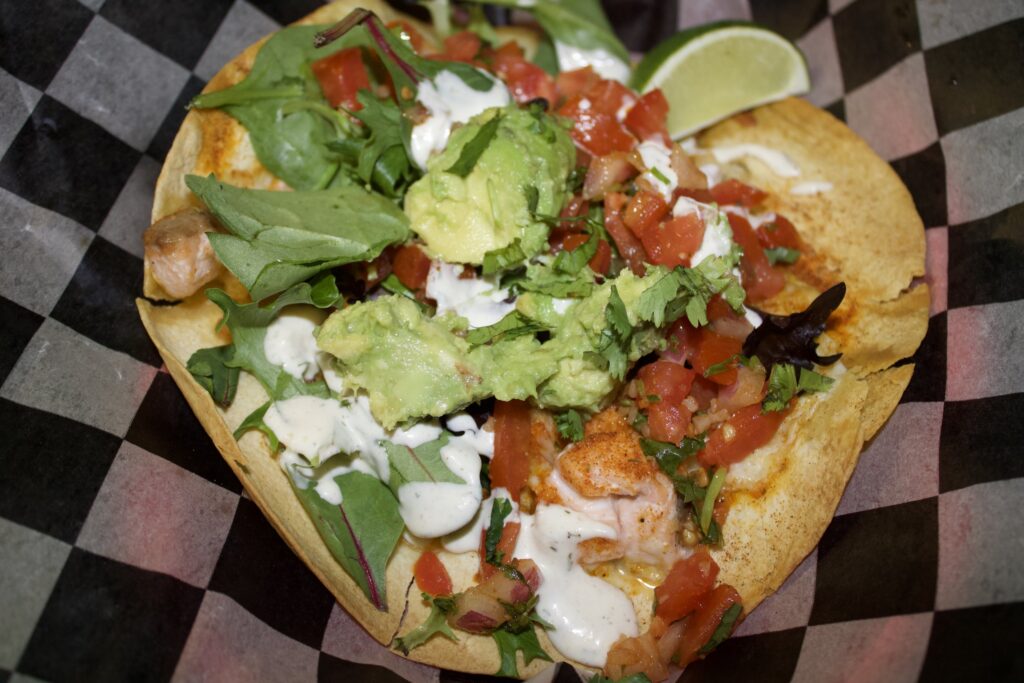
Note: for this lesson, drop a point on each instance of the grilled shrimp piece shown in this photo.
(608, 478)
(179, 253)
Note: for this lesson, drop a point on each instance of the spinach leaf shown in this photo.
(473, 149)
(436, 622)
(283, 109)
(378, 156)
(570, 425)
(211, 368)
(361, 532)
(422, 463)
(510, 644)
(278, 239)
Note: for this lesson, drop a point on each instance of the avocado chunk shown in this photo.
(413, 366)
(521, 172)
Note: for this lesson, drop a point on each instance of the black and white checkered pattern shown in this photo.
(128, 549)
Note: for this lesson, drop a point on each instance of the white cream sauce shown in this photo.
(478, 300)
(588, 614)
(481, 439)
(450, 101)
(433, 509)
(811, 187)
(657, 159)
(779, 164)
(717, 233)
(289, 342)
(467, 539)
(604, 63)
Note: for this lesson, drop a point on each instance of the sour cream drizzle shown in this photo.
(780, 164)
(478, 300)
(604, 63)
(289, 342)
(450, 100)
(657, 160)
(588, 614)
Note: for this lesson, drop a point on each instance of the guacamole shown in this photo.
(521, 172)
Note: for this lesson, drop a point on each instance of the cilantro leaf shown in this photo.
(719, 368)
(791, 338)
(561, 285)
(782, 255)
(570, 425)
(572, 261)
(504, 258)
(423, 463)
(781, 388)
(510, 644)
(473, 149)
(614, 344)
(811, 381)
(500, 509)
(513, 325)
(632, 678)
(670, 458)
(435, 623)
(211, 368)
(724, 628)
(392, 284)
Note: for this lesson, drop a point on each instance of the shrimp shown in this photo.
(179, 254)
(607, 477)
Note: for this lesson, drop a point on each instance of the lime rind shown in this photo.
(660, 66)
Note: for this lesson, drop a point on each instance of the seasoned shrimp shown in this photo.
(607, 477)
(179, 253)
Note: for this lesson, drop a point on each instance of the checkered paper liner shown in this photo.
(129, 550)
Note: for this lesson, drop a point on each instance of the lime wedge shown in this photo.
(709, 72)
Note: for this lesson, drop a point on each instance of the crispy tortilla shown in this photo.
(864, 231)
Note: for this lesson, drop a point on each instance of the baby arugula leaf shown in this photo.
(436, 622)
(472, 150)
(378, 155)
(248, 326)
(361, 532)
(283, 109)
(278, 239)
(423, 463)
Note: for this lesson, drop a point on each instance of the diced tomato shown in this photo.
(525, 80)
(630, 248)
(510, 465)
(712, 349)
(747, 430)
(719, 308)
(462, 46)
(673, 242)
(506, 546)
(669, 384)
(732, 191)
(779, 233)
(688, 581)
(609, 96)
(646, 118)
(575, 82)
(596, 132)
(697, 193)
(341, 76)
(644, 210)
(431, 576)
(407, 31)
(411, 266)
(702, 623)
(760, 279)
(601, 261)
